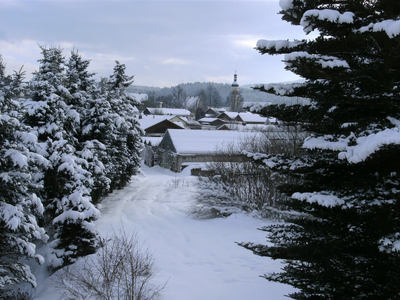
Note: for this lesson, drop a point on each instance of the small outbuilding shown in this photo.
(180, 147)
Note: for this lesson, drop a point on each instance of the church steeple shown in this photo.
(235, 84)
(236, 104)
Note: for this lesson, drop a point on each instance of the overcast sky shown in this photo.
(162, 43)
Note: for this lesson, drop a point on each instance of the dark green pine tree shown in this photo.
(125, 144)
(79, 81)
(97, 131)
(345, 241)
(86, 99)
(19, 205)
(69, 211)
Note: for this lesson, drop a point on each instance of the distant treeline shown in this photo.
(167, 94)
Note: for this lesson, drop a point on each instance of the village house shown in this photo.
(181, 112)
(244, 127)
(157, 125)
(178, 148)
(188, 123)
(211, 122)
(213, 112)
(250, 118)
(228, 116)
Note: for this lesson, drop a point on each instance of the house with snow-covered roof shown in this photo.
(244, 127)
(186, 122)
(211, 122)
(179, 148)
(157, 125)
(228, 116)
(212, 112)
(166, 111)
(160, 128)
(250, 118)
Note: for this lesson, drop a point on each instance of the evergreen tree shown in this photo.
(124, 143)
(19, 205)
(69, 211)
(79, 81)
(345, 241)
(87, 101)
(4, 79)
(97, 133)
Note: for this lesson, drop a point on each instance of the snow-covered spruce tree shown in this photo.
(345, 244)
(97, 132)
(5, 80)
(79, 81)
(19, 205)
(125, 144)
(86, 100)
(69, 212)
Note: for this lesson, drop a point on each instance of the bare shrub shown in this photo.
(247, 185)
(122, 269)
(214, 199)
(178, 182)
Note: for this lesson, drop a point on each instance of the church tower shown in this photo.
(236, 104)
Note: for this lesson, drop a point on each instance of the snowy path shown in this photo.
(198, 258)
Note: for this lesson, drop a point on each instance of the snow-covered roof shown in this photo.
(148, 121)
(180, 124)
(169, 111)
(184, 119)
(248, 127)
(179, 119)
(216, 109)
(252, 118)
(206, 141)
(207, 120)
(230, 114)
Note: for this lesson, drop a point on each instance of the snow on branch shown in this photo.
(391, 27)
(390, 243)
(326, 143)
(281, 89)
(286, 4)
(278, 44)
(17, 158)
(329, 15)
(324, 60)
(369, 144)
(320, 198)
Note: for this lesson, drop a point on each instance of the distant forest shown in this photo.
(174, 96)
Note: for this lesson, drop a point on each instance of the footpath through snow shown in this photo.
(198, 258)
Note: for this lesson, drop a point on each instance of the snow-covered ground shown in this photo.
(199, 258)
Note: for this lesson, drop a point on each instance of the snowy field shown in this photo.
(198, 258)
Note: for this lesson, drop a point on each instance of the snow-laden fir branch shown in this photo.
(324, 60)
(329, 15)
(390, 27)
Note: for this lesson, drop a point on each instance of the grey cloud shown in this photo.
(197, 38)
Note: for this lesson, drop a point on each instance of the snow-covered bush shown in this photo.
(122, 269)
